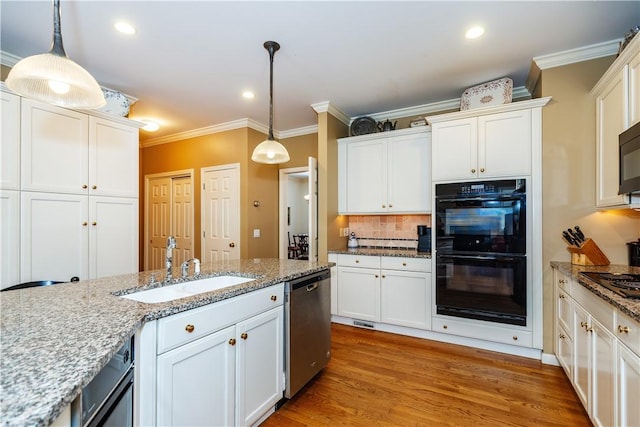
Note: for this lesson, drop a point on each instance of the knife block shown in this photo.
(588, 254)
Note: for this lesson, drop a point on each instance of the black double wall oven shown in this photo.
(481, 259)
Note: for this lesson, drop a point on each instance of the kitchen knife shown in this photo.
(567, 238)
(580, 234)
(573, 236)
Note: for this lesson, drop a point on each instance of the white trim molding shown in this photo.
(580, 54)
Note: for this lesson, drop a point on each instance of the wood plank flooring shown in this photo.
(380, 379)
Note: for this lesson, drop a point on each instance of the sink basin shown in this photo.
(186, 289)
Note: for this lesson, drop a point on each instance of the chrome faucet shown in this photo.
(171, 245)
(184, 268)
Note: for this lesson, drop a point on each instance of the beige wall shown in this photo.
(569, 175)
(257, 181)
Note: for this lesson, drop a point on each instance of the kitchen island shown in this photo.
(55, 339)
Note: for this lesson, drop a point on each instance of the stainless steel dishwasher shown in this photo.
(307, 328)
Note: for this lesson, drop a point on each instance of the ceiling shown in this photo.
(190, 61)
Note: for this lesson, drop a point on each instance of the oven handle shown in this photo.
(479, 199)
(482, 257)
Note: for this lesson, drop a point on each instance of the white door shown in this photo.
(196, 381)
(9, 238)
(221, 213)
(406, 298)
(158, 221)
(10, 147)
(313, 209)
(182, 218)
(113, 236)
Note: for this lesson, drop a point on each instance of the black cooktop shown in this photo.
(624, 284)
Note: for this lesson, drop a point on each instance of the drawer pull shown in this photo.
(404, 264)
(584, 325)
(444, 326)
(562, 281)
(562, 336)
(357, 261)
(623, 329)
(515, 337)
(244, 336)
(190, 328)
(274, 298)
(232, 341)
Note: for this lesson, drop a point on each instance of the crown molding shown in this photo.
(307, 130)
(328, 107)
(580, 54)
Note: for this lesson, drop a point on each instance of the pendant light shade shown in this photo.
(54, 78)
(270, 151)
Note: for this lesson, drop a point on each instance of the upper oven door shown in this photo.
(487, 222)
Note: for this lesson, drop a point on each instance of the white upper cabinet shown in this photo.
(10, 154)
(486, 143)
(617, 98)
(65, 151)
(386, 172)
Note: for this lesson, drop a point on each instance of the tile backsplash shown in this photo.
(388, 231)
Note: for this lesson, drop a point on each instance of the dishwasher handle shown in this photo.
(310, 281)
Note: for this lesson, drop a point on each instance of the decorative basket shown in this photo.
(496, 92)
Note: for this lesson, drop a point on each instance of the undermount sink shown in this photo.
(186, 289)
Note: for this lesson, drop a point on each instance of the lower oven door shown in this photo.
(481, 286)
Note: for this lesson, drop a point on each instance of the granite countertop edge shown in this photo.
(55, 339)
(629, 306)
(376, 251)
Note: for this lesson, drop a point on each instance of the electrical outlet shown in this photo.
(345, 232)
(256, 232)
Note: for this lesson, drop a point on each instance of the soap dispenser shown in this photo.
(353, 241)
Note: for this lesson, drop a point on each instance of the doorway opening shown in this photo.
(298, 218)
(168, 212)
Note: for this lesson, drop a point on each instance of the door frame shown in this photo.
(147, 178)
(283, 182)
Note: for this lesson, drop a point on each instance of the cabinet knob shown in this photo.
(376, 276)
(562, 336)
(481, 170)
(357, 261)
(515, 338)
(232, 341)
(94, 187)
(383, 206)
(94, 223)
(562, 281)
(244, 336)
(444, 327)
(189, 328)
(383, 276)
(85, 223)
(583, 324)
(232, 245)
(473, 171)
(561, 296)
(623, 329)
(404, 264)
(274, 298)
(85, 186)
(390, 206)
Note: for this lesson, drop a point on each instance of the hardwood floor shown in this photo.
(381, 379)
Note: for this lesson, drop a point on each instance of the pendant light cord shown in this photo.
(271, 47)
(56, 45)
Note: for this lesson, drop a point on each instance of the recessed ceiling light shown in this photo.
(474, 32)
(124, 28)
(248, 94)
(150, 125)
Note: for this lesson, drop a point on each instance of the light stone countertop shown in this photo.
(55, 339)
(410, 253)
(629, 306)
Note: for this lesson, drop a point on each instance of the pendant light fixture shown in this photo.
(54, 78)
(270, 151)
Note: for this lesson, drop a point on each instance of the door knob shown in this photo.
(232, 245)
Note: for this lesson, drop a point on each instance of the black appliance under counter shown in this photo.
(629, 306)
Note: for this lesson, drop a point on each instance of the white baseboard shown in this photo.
(530, 353)
(550, 359)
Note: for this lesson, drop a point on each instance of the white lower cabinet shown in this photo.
(221, 364)
(196, 383)
(391, 290)
(600, 352)
(10, 241)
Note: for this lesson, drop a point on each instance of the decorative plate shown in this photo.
(496, 92)
(117, 103)
(363, 126)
